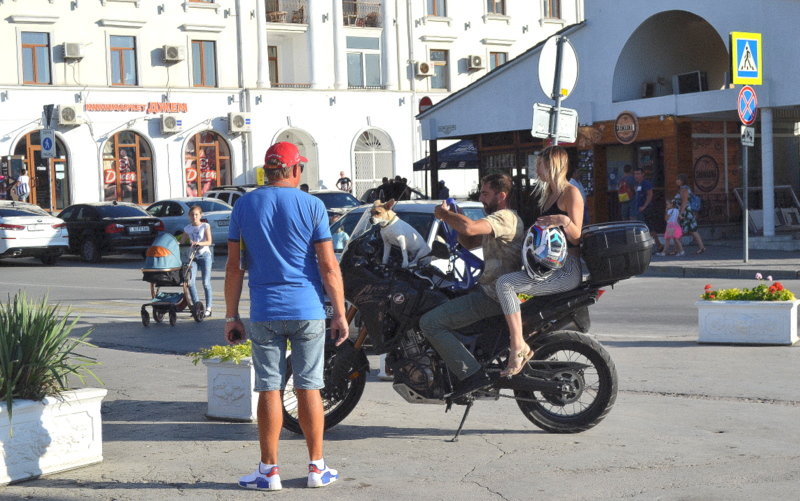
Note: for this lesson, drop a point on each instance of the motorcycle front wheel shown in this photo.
(594, 388)
(338, 398)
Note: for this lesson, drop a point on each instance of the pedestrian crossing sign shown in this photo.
(746, 60)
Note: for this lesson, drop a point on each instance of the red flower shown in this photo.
(778, 286)
(708, 286)
(773, 289)
(712, 295)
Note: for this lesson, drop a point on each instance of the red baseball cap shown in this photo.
(285, 153)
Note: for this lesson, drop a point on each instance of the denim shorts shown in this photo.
(269, 353)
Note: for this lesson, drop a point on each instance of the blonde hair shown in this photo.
(555, 161)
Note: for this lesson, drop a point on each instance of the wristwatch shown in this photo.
(234, 318)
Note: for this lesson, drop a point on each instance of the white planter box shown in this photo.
(747, 322)
(56, 434)
(230, 390)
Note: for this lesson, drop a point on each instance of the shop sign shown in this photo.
(152, 107)
(706, 173)
(626, 127)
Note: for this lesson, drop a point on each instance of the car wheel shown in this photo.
(90, 251)
(49, 259)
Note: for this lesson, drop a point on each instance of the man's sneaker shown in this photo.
(264, 481)
(321, 478)
(207, 313)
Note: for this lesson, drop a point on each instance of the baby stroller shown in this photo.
(163, 268)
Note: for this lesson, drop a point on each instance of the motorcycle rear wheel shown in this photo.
(337, 404)
(555, 414)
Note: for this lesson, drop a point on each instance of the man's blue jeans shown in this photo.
(439, 324)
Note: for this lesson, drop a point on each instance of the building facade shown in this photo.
(151, 99)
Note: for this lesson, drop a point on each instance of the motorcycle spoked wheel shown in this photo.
(337, 403)
(596, 386)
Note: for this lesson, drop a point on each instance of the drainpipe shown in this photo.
(409, 22)
(244, 93)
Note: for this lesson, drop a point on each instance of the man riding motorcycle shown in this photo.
(500, 234)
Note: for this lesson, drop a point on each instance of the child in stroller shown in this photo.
(163, 268)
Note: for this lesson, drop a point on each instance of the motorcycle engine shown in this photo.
(415, 370)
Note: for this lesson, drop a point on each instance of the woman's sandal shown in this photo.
(700, 251)
(513, 371)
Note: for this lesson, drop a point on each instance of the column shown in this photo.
(339, 47)
(767, 172)
(317, 44)
(389, 45)
(262, 81)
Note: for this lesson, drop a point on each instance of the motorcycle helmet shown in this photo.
(544, 250)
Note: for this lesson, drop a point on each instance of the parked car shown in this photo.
(230, 193)
(27, 230)
(373, 194)
(173, 213)
(336, 201)
(102, 228)
(419, 214)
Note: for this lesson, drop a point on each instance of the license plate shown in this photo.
(36, 227)
(328, 311)
(138, 229)
(223, 222)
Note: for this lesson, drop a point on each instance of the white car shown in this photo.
(174, 213)
(27, 230)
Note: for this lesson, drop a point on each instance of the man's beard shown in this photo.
(490, 207)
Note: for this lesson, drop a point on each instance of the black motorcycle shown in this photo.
(569, 386)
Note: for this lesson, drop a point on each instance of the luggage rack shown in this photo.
(787, 208)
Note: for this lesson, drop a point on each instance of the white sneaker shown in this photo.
(262, 481)
(321, 478)
(208, 312)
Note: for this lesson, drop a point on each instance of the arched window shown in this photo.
(373, 160)
(305, 143)
(49, 176)
(128, 168)
(207, 163)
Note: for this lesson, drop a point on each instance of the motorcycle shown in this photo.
(569, 386)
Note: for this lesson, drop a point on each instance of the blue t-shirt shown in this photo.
(279, 227)
(640, 193)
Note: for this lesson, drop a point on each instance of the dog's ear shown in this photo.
(389, 204)
(377, 203)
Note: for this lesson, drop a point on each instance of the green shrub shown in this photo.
(37, 354)
(760, 292)
(225, 353)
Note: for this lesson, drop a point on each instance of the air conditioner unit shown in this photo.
(73, 51)
(238, 122)
(693, 81)
(68, 114)
(171, 123)
(174, 53)
(475, 62)
(424, 69)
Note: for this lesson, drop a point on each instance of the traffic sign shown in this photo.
(746, 60)
(567, 123)
(47, 139)
(748, 136)
(547, 68)
(747, 105)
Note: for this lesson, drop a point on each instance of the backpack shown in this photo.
(625, 191)
(695, 202)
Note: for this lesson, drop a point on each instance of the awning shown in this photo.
(461, 155)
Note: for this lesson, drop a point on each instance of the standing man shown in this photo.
(289, 257)
(344, 183)
(625, 194)
(643, 197)
(500, 233)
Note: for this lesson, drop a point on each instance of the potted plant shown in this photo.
(44, 426)
(765, 314)
(230, 381)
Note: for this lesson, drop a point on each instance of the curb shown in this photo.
(709, 272)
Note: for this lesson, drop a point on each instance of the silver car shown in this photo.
(174, 213)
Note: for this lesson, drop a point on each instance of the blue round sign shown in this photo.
(47, 144)
(747, 105)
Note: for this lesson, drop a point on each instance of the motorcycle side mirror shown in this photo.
(440, 250)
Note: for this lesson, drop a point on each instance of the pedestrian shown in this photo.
(23, 185)
(625, 194)
(344, 183)
(289, 261)
(384, 190)
(198, 234)
(562, 207)
(688, 217)
(643, 197)
(673, 233)
(444, 191)
(574, 181)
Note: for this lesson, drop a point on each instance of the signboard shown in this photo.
(425, 103)
(626, 127)
(47, 138)
(748, 136)
(547, 67)
(746, 60)
(747, 105)
(567, 123)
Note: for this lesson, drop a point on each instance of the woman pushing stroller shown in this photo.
(198, 234)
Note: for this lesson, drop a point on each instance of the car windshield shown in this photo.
(210, 205)
(347, 222)
(120, 211)
(337, 200)
(22, 211)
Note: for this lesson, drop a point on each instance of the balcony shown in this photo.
(287, 11)
(362, 14)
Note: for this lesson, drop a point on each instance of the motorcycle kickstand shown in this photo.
(463, 419)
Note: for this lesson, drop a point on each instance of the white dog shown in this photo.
(395, 231)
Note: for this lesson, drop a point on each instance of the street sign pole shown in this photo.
(747, 108)
(556, 94)
(745, 151)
